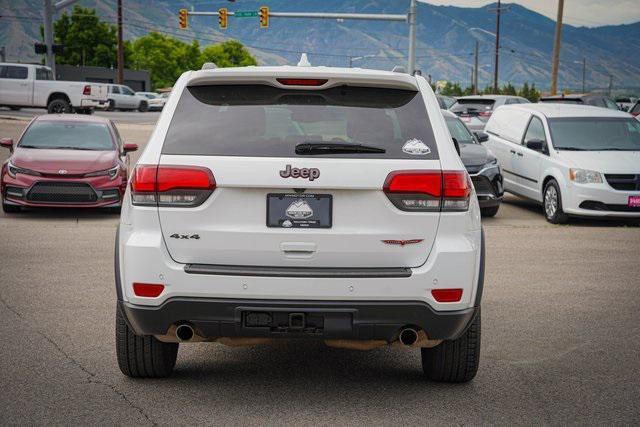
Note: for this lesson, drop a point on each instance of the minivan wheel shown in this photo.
(456, 360)
(143, 356)
(143, 107)
(552, 203)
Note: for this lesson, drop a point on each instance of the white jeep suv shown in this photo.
(300, 202)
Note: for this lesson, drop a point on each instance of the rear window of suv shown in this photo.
(472, 105)
(265, 121)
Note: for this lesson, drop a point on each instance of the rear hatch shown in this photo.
(467, 108)
(299, 175)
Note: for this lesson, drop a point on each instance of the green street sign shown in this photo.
(246, 14)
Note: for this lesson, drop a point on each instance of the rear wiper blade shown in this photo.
(71, 148)
(30, 146)
(571, 148)
(335, 148)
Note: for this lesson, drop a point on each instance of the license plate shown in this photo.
(299, 210)
(634, 201)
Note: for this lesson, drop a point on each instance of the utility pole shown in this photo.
(497, 60)
(556, 49)
(475, 67)
(120, 78)
(412, 36)
(584, 74)
(610, 84)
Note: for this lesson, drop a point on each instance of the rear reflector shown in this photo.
(302, 82)
(447, 295)
(86, 90)
(171, 186)
(147, 290)
(415, 190)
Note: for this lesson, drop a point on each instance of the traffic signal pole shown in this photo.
(410, 18)
(50, 9)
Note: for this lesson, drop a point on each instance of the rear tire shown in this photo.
(552, 203)
(456, 360)
(10, 208)
(489, 212)
(143, 356)
(59, 106)
(143, 107)
(111, 105)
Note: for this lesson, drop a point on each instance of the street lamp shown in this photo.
(358, 58)
(584, 71)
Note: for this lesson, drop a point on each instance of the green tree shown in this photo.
(165, 57)
(86, 39)
(228, 54)
(508, 89)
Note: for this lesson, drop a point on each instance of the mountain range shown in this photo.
(446, 38)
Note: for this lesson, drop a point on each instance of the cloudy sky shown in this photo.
(589, 13)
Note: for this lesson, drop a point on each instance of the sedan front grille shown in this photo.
(61, 192)
(624, 182)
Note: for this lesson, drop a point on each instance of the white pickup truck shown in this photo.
(27, 85)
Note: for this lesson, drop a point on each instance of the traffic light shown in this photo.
(182, 19)
(264, 17)
(223, 18)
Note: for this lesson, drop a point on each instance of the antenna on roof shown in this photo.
(209, 66)
(304, 62)
(398, 69)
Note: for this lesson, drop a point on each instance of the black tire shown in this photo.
(143, 107)
(143, 356)
(454, 361)
(114, 210)
(59, 106)
(14, 108)
(552, 203)
(489, 212)
(10, 208)
(111, 105)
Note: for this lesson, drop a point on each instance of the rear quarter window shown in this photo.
(508, 124)
(265, 121)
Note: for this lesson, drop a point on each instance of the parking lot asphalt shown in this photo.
(560, 337)
(148, 117)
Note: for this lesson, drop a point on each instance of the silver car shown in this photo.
(121, 97)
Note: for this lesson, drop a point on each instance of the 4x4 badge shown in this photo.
(307, 173)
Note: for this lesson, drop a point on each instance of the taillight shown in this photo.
(171, 186)
(447, 295)
(428, 190)
(148, 290)
(302, 82)
(86, 90)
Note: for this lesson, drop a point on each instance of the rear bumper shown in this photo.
(356, 320)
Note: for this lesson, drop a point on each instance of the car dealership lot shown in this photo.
(560, 334)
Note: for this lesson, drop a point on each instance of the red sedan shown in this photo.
(66, 161)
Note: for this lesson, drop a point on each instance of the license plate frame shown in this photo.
(299, 210)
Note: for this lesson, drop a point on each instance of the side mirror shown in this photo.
(535, 144)
(129, 148)
(482, 137)
(7, 143)
(455, 144)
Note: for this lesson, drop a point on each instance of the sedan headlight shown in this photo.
(13, 170)
(112, 173)
(582, 176)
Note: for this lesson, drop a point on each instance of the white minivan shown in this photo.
(574, 159)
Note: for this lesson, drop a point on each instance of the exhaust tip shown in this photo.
(408, 336)
(184, 332)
